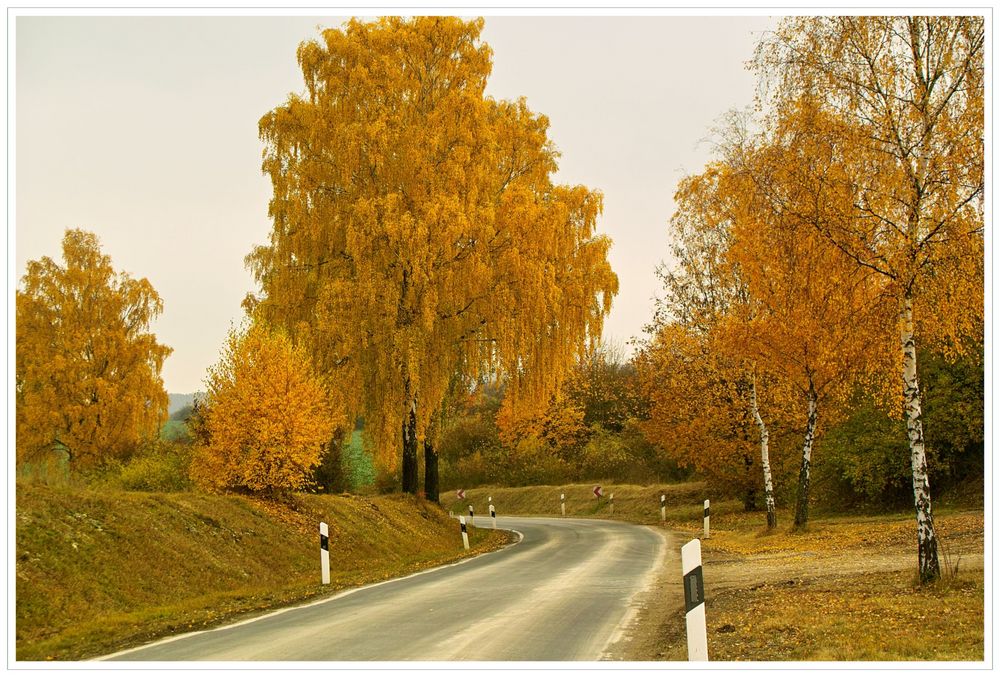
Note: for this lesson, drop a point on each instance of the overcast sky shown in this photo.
(143, 130)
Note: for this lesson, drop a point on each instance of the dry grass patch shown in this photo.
(862, 617)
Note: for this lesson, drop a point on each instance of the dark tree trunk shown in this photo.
(410, 480)
(430, 472)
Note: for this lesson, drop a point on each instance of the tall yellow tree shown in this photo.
(265, 417)
(417, 231)
(87, 368)
(904, 97)
(812, 316)
(704, 392)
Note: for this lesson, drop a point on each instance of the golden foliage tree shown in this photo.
(812, 316)
(265, 417)
(904, 101)
(698, 411)
(417, 232)
(705, 295)
(87, 368)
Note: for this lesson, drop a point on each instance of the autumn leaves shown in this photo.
(421, 246)
(87, 381)
(419, 243)
(815, 252)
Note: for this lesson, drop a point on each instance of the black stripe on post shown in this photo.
(663, 502)
(493, 513)
(464, 530)
(324, 542)
(706, 515)
(694, 589)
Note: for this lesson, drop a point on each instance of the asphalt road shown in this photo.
(563, 593)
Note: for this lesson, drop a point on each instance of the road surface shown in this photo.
(564, 593)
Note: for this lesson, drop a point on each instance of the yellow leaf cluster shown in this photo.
(266, 415)
(87, 367)
(417, 233)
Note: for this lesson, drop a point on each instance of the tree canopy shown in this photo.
(418, 234)
(87, 367)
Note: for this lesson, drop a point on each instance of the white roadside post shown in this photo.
(472, 516)
(663, 507)
(706, 518)
(324, 552)
(465, 533)
(562, 503)
(694, 601)
(611, 503)
(493, 515)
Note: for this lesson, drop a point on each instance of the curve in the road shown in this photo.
(562, 594)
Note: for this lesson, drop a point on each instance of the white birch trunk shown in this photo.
(765, 461)
(927, 555)
(802, 501)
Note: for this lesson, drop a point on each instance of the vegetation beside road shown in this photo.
(98, 572)
(843, 589)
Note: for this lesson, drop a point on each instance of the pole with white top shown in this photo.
(465, 532)
(694, 601)
(324, 552)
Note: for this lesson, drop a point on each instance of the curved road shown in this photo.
(563, 593)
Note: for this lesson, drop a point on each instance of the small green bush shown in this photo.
(161, 467)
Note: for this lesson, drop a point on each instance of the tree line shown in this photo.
(425, 274)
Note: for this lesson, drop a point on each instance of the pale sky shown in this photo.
(143, 130)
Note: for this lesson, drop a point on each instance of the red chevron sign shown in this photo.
(598, 492)
(460, 493)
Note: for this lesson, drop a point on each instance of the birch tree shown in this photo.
(702, 291)
(417, 231)
(905, 101)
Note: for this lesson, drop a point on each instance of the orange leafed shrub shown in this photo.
(266, 415)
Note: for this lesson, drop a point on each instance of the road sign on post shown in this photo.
(706, 518)
(460, 494)
(694, 601)
(465, 532)
(324, 552)
(598, 492)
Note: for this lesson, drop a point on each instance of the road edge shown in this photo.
(312, 603)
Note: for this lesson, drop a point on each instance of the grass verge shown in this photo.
(97, 572)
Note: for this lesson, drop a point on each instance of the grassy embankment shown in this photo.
(842, 589)
(101, 571)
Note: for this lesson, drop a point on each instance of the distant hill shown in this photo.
(180, 400)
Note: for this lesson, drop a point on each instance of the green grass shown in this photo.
(357, 463)
(100, 571)
(175, 431)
